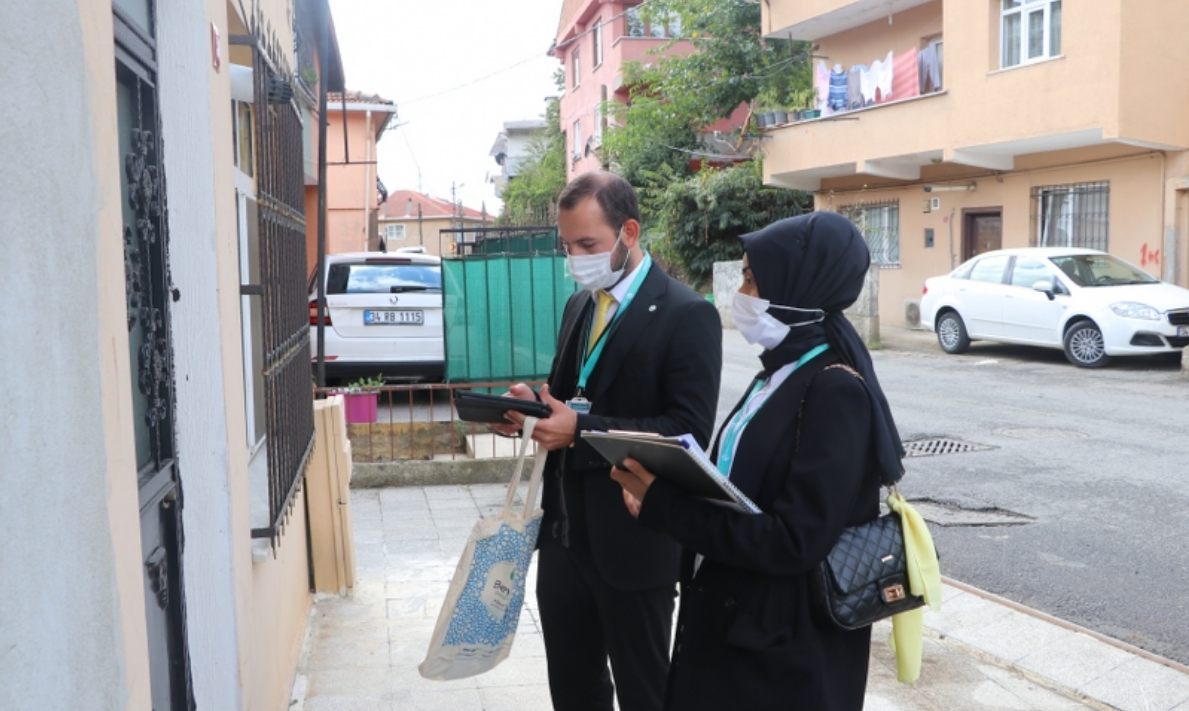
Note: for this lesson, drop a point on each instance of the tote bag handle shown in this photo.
(538, 469)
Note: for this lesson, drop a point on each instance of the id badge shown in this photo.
(580, 405)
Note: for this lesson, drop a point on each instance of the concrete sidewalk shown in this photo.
(361, 653)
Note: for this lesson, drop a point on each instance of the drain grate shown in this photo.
(935, 446)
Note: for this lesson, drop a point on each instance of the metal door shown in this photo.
(148, 291)
(982, 232)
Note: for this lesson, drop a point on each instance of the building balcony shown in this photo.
(1094, 90)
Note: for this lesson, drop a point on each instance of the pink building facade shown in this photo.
(594, 39)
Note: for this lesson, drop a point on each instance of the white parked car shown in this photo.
(383, 316)
(1089, 303)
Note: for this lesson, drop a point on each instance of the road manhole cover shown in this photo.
(949, 513)
(1041, 433)
(935, 446)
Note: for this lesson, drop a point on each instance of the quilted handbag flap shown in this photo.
(865, 554)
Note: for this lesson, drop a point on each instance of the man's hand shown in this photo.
(522, 392)
(635, 480)
(553, 432)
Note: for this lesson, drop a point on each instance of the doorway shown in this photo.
(982, 231)
(147, 285)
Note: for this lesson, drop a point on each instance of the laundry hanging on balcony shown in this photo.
(905, 81)
(837, 98)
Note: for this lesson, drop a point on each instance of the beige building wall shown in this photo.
(1111, 107)
(1134, 226)
(427, 233)
(72, 617)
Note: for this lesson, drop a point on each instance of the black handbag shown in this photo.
(865, 577)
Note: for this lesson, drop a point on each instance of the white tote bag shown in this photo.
(478, 620)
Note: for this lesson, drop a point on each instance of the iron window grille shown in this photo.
(879, 222)
(1076, 215)
(280, 197)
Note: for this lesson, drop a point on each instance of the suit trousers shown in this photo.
(585, 622)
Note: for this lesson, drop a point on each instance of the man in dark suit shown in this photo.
(637, 350)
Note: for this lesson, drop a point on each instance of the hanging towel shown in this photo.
(837, 100)
(883, 79)
(854, 87)
(929, 69)
(905, 83)
(924, 579)
(867, 82)
(821, 82)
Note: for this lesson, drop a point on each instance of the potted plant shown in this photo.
(806, 101)
(359, 398)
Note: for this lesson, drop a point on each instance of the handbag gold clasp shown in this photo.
(893, 593)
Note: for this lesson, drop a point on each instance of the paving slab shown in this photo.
(980, 653)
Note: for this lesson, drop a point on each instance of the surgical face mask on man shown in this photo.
(758, 327)
(594, 272)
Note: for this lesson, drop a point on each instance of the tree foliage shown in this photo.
(694, 218)
(698, 220)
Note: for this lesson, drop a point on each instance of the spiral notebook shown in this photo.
(676, 459)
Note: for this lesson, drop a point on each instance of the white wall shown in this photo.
(205, 457)
(71, 591)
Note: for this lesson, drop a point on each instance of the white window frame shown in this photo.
(1024, 10)
(597, 31)
(394, 231)
(577, 155)
(575, 68)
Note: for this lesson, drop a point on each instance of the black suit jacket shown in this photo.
(659, 372)
(748, 635)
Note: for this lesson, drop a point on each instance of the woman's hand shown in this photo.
(635, 480)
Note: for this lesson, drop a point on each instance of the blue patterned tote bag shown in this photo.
(478, 620)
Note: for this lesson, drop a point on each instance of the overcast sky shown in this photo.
(407, 51)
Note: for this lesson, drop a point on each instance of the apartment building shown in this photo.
(594, 40)
(954, 127)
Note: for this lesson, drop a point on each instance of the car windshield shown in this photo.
(381, 278)
(1101, 270)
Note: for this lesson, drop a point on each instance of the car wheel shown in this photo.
(1084, 345)
(951, 333)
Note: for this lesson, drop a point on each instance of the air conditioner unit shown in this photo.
(912, 313)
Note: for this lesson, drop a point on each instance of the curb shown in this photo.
(954, 639)
(415, 472)
(1065, 624)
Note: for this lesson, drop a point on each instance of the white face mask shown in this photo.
(759, 327)
(593, 271)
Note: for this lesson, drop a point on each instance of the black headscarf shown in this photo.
(819, 261)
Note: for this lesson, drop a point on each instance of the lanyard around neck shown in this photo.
(736, 425)
(590, 361)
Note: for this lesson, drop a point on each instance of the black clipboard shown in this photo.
(677, 459)
(480, 407)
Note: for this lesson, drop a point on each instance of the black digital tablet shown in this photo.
(480, 407)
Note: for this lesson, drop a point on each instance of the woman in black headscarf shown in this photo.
(810, 443)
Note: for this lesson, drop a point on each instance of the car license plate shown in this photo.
(394, 317)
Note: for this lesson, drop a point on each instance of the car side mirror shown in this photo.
(1045, 287)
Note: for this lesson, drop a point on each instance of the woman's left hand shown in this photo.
(635, 480)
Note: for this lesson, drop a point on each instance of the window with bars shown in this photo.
(1075, 215)
(280, 295)
(880, 224)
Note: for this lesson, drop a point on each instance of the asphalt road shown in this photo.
(1079, 504)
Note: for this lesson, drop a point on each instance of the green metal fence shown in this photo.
(503, 300)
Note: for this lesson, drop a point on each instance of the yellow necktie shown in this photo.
(600, 320)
